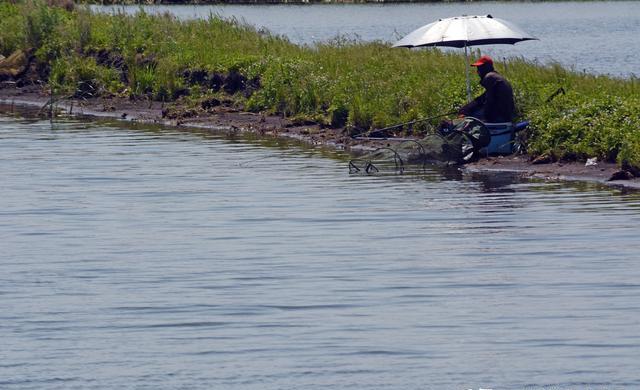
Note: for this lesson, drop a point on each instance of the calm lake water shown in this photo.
(138, 258)
(592, 36)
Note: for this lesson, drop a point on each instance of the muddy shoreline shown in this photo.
(223, 118)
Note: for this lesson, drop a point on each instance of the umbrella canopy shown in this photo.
(465, 31)
(461, 31)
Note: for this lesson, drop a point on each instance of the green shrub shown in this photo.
(81, 77)
(12, 31)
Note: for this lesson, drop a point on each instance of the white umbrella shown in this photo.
(465, 31)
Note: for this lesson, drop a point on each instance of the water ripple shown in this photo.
(151, 259)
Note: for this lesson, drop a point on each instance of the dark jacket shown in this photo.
(497, 100)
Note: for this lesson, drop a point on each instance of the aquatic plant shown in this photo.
(344, 82)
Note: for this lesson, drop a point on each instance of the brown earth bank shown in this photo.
(218, 116)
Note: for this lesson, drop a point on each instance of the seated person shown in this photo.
(496, 104)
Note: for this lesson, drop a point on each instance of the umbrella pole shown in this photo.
(466, 60)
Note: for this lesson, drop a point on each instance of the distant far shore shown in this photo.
(208, 2)
(204, 2)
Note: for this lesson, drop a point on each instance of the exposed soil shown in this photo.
(602, 172)
(218, 115)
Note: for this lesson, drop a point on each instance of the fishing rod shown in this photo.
(559, 91)
(367, 133)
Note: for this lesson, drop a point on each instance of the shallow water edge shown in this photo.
(243, 122)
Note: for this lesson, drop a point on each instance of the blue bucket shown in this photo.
(503, 137)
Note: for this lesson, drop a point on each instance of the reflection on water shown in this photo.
(591, 36)
(155, 259)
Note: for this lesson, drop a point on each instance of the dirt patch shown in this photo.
(598, 171)
(231, 82)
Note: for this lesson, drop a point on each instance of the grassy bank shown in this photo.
(343, 82)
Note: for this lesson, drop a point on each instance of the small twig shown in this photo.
(51, 104)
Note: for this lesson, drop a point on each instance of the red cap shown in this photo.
(483, 60)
